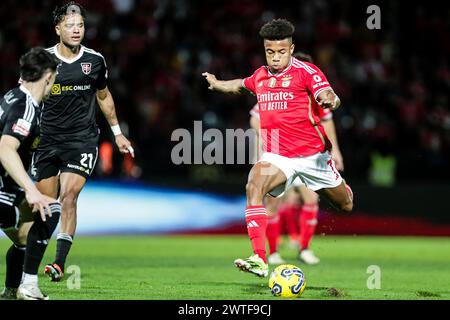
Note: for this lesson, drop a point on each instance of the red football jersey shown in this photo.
(289, 114)
(324, 114)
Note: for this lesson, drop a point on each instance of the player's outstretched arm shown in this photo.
(227, 86)
(336, 155)
(10, 160)
(328, 99)
(106, 103)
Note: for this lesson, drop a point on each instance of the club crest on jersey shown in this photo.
(272, 82)
(86, 67)
(286, 81)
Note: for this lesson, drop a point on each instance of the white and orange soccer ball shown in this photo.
(287, 281)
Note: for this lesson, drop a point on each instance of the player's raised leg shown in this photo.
(263, 178)
(71, 185)
(341, 197)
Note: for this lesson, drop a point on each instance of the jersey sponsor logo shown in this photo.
(22, 127)
(320, 84)
(86, 67)
(74, 166)
(56, 89)
(275, 96)
(272, 101)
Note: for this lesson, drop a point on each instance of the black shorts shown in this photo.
(49, 162)
(11, 196)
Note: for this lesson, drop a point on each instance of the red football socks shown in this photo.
(256, 220)
(308, 223)
(273, 232)
(289, 215)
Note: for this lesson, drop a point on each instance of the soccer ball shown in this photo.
(287, 281)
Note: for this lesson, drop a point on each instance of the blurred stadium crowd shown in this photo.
(394, 82)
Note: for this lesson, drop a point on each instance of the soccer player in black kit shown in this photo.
(68, 149)
(19, 131)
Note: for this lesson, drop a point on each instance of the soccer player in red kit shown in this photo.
(294, 142)
(299, 207)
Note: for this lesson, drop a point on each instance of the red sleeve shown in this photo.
(249, 82)
(315, 80)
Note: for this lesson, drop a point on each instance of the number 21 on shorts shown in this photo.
(89, 157)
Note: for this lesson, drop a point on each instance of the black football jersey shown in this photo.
(68, 114)
(19, 117)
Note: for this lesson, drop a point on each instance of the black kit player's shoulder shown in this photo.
(13, 102)
(93, 55)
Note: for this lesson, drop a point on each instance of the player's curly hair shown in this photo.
(277, 29)
(71, 7)
(35, 62)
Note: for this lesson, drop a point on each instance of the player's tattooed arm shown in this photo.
(227, 86)
(328, 99)
(106, 102)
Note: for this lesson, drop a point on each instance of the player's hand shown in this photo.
(336, 155)
(124, 145)
(39, 202)
(328, 100)
(211, 80)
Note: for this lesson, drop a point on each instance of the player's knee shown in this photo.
(347, 207)
(69, 196)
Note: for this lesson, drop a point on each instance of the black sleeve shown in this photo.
(19, 121)
(102, 79)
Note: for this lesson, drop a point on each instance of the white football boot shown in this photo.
(307, 256)
(30, 292)
(275, 258)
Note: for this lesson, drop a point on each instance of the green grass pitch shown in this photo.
(201, 267)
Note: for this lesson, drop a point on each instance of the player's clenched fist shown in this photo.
(329, 99)
(211, 79)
